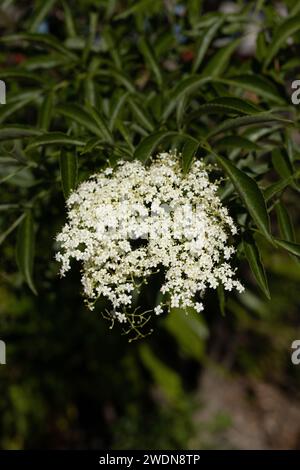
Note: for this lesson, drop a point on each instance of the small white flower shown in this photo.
(199, 307)
(158, 310)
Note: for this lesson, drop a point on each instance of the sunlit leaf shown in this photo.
(189, 330)
(164, 376)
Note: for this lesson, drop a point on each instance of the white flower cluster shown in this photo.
(128, 223)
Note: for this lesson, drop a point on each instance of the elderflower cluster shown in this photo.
(131, 222)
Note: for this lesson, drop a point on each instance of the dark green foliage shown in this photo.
(90, 82)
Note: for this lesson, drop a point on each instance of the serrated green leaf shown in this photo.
(87, 117)
(126, 135)
(89, 41)
(189, 330)
(164, 42)
(45, 40)
(101, 123)
(141, 115)
(281, 164)
(45, 61)
(46, 112)
(19, 101)
(293, 248)
(257, 84)
(141, 5)
(291, 64)
(261, 47)
(275, 188)
(184, 88)
(236, 142)
(120, 77)
(91, 145)
(219, 61)
(116, 110)
(89, 91)
(111, 47)
(180, 110)
(25, 249)
(254, 259)
(242, 121)
(189, 149)
(250, 193)
(147, 146)
(68, 171)
(69, 20)
(54, 138)
(204, 42)
(285, 30)
(207, 20)
(226, 105)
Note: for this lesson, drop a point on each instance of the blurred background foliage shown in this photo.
(89, 82)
